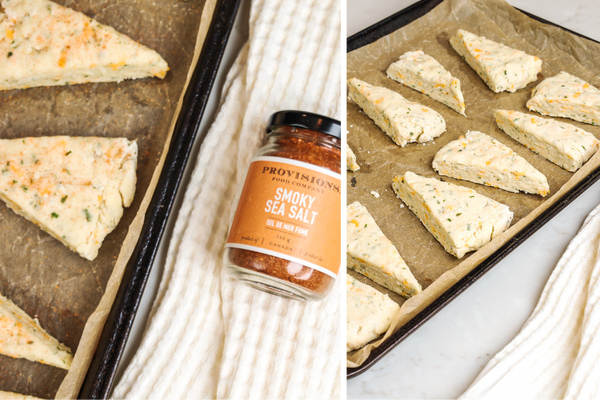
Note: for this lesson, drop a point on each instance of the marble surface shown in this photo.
(443, 357)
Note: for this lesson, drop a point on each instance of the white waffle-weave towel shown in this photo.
(209, 336)
(557, 352)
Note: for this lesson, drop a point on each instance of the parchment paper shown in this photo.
(381, 160)
(70, 295)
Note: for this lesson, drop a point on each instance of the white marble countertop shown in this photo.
(443, 357)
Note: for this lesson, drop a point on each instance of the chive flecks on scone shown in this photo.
(22, 337)
(351, 163)
(425, 74)
(502, 68)
(45, 44)
(402, 120)
(567, 96)
(369, 313)
(74, 188)
(372, 254)
(461, 219)
(479, 158)
(563, 144)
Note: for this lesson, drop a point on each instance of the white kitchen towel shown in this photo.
(584, 381)
(209, 336)
(555, 354)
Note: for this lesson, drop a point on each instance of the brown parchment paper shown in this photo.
(381, 160)
(70, 295)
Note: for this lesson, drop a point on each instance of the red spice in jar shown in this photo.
(286, 237)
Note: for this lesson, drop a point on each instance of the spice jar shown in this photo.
(285, 238)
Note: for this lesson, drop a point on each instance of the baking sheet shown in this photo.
(380, 159)
(37, 272)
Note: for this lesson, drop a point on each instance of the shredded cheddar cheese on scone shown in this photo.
(369, 313)
(74, 188)
(402, 120)
(502, 68)
(22, 337)
(567, 96)
(479, 158)
(425, 74)
(461, 219)
(351, 163)
(372, 254)
(563, 144)
(46, 44)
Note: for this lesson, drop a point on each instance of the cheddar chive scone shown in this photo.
(369, 313)
(402, 120)
(461, 219)
(373, 255)
(22, 337)
(567, 96)
(45, 44)
(74, 188)
(16, 396)
(423, 73)
(563, 144)
(351, 163)
(479, 158)
(501, 67)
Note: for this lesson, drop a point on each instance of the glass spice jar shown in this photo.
(285, 238)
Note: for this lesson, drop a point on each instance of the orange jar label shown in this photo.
(290, 209)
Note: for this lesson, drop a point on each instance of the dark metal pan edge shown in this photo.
(390, 24)
(375, 32)
(101, 374)
(411, 13)
(463, 284)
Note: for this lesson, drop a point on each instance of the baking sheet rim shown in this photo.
(94, 326)
(534, 219)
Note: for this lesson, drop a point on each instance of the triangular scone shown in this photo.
(16, 396)
(423, 73)
(373, 255)
(402, 120)
(369, 313)
(563, 144)
(461, 219)
(567, 96)
(74, 188)
(351, 163)
(45, 44)
(23, 337)
(479, 158)
(501, 67)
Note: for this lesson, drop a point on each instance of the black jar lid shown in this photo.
(305, 120)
